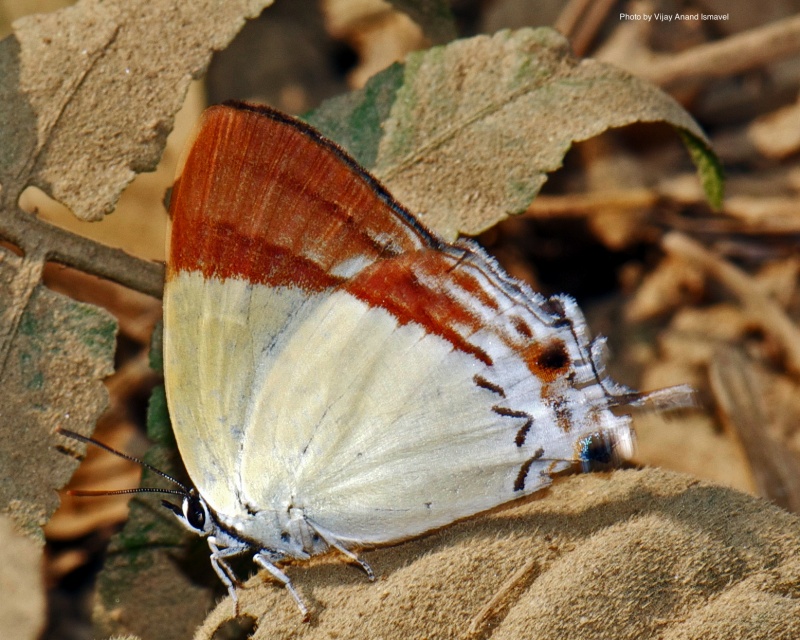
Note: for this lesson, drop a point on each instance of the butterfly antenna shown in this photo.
(122, 492)
(77, 436)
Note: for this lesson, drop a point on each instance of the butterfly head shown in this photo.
(193, 513)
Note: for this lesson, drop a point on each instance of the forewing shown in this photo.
(266, 217)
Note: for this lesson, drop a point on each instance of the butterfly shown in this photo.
(337, 376)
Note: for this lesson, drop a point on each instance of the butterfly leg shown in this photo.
(263, 559)
(331, 541)
(219, 563)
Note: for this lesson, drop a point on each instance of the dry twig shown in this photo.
(741, 52)
(763, 309)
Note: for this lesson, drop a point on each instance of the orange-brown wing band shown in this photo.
(264, 197)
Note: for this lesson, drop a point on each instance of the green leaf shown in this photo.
(354, 119)
(709, 168)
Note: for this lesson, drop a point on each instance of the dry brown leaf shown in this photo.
(779, 279)
(87, 96)
(629, 555)
(694, 334)
(664, 289)
(777, 134)
(776, 214)
(761, 309)
(54, 353)
(90, 91)
(465, 134)
(22, 607)
(477, 125)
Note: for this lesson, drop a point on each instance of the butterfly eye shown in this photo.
(194, 513)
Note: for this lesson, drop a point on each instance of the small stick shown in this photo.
(498, 600)
(741, 52)
(591, 203)
(763, 309)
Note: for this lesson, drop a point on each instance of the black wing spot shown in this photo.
(251, 510)
(554, 356)
(519, 483)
